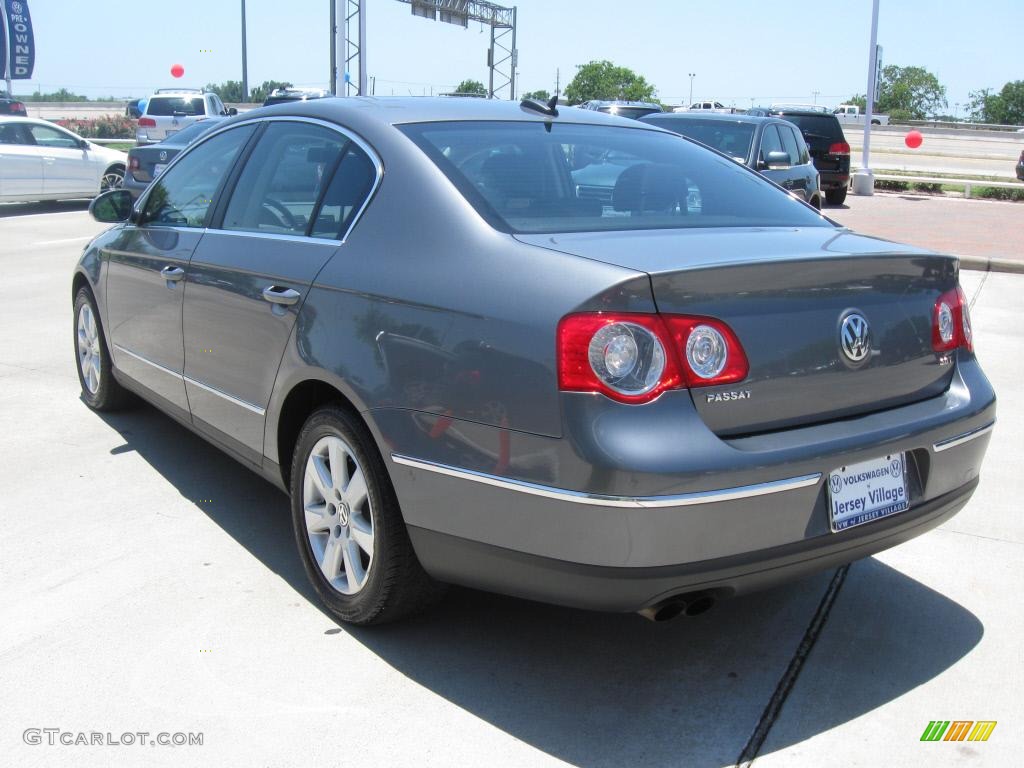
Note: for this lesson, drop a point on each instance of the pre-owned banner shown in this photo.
(21, 45)
(3, 44)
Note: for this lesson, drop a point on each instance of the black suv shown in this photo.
(829, 149)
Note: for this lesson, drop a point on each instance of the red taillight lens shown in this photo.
(951, 322)
(18, 108)
(147, 122)
(710, 351)
(633, 357)
(133, 163)
(839, 148)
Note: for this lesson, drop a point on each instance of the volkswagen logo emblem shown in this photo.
(163, 155)
(854, 337)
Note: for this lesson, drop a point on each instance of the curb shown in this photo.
(993, 264)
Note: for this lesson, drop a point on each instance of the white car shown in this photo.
(170, 110)
(42, 161)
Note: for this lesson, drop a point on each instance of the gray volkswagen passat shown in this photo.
(465, 367)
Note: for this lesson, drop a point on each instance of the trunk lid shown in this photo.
(785, 293)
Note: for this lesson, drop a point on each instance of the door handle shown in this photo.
(275, 294)
(173, 274)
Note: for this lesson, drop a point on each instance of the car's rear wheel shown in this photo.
(100, 389)
(815, 202)
(836, 196)
(113, 178)
(348, 526)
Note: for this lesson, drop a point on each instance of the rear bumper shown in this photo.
(649, 497)
(482, 566)
(834, 179)
(133, 185)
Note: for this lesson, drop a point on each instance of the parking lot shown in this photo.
(148, 583)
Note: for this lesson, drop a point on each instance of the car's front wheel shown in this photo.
(100, 390)
(348, 526)
(836, 196)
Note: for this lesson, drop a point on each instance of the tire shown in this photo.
(815, 203)
(357, 586)
(836, 196)
(113, 178)
(100, 389)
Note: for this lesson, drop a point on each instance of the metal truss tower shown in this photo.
(350, 48)
(502, 56)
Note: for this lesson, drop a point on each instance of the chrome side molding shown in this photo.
(632, 502)
(966, 437)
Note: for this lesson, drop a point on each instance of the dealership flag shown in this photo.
(3, 47)
(21, 45)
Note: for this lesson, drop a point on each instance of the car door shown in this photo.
(67, 168)
(250, 274)
(771, 141)
(147, 262)
(800, 180)
(21, 164)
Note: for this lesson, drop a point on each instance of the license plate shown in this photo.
(158, 169)
(170, 133)
(870, 490)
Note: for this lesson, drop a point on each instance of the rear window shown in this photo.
(633, 112)
(532, 177)
(817, 127)
(165, 106)
(729, 138)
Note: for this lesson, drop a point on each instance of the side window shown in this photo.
(51, 137)
(217, 105)
(283, 179)
(770, 142)
(10, 133)
(789, 142)
(183, 195)
(346, 194)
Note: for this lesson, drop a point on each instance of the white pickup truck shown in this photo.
(850, 114)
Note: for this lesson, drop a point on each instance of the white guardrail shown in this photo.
(967, 184)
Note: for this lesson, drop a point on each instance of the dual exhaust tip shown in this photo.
(679, 605)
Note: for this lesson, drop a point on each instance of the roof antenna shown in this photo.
(550, 108)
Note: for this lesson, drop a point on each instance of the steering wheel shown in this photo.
(284, 216)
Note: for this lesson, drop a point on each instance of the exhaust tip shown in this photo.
(673, 607)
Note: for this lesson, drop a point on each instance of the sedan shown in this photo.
(42, 161)
(769, 145)
(148, 161)
(460, 370)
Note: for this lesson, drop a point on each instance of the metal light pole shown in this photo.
(692, 75)
(334, 50)
(864, 179)
(245, 61)
(5, 66)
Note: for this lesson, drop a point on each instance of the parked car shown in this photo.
(850, 114)
(829, 148)
(134, 108)
(171, 110)
(42, 161)
(633, 109)
(704, 106)
(11, 106)
(1020, 167)
(463, 371)
(280, 95)
(147, 162)
(769, 145)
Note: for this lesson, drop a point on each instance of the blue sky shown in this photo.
(740, 49)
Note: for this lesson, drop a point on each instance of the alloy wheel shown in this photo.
(112, 179)
(338, 514)
(89, 349)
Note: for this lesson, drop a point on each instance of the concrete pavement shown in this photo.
(149, 583)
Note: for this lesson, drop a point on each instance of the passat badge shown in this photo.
(725, 397)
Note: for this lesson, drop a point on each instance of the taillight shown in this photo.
(633, 358)
(839, 148)
(133, 163)
(147, 122)
(951, 322)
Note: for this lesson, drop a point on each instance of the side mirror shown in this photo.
(232, 111)
(776, 161)
(83, 144)
(112, 207)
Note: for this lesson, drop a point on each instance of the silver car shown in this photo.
(465, 367)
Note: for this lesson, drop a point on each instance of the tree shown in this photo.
(604, 80)
(858, 100)
(229, 92)
(471, 88)
(911, 93)
(63, 95)
(540, 95)
(1004, 108)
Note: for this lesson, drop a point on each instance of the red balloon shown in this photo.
(914, 139)
(177, 70)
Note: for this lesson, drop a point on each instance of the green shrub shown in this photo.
(999, 193)
(935, 189)
(891, 186)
